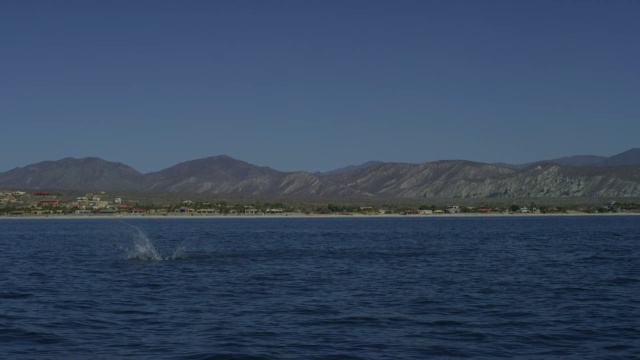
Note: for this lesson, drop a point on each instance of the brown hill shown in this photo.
(73, 174)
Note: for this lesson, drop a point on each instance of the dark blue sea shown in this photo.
(358, 288)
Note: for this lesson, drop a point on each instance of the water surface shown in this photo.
(527, 287)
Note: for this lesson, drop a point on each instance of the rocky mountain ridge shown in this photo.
(439, 179)
(629, 157)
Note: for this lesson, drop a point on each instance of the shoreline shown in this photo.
(296, 216)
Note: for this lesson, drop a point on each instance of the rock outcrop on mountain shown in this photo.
(435, 179)
(439, 179)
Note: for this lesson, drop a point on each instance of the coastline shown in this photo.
(298, 216)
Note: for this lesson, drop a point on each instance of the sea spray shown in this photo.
(179, 253)
(144, 250)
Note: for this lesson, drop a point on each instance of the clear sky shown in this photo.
(317, 85)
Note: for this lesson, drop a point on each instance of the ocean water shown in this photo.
(359, 288)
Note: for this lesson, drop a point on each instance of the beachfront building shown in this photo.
(455, 209)
(207, 211)
(49, 203)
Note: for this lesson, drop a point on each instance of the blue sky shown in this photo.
(316, 85)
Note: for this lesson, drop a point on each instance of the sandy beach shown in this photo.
(294, 216)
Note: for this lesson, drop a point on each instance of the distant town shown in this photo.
(41, 203)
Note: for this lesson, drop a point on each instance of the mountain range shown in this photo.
(629, 157)
(575, 176)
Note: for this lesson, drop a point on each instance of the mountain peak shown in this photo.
(90, 173)
(629, 157)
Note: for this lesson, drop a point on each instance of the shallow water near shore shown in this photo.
(320, 288)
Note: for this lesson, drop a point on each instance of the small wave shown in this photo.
(446, 323)
(23, 335)
(625, 280)
(596, 257)
(14, 295)
(225, 356)
(618, 347)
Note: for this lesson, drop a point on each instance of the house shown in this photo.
(612, 206)
(426, 212)
(368, 210)
(51, 203)
(99, 205)
(455, 209)
(206, 211)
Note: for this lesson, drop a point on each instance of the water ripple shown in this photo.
(321, 288)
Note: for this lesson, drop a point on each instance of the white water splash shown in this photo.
(179, 253)
(144, 250)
